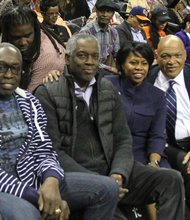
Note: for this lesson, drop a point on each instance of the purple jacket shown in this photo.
(186, 40)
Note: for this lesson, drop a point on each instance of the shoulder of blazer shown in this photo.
(124, 26)
(186, 72)
(153, 73)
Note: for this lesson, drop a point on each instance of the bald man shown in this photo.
(171, 67)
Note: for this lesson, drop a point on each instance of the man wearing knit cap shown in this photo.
(130, 30)
(106, 35)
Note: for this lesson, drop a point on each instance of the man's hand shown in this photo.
(64, 215)
(52, 76)
(50, 200)
(119, 179)
(186, 161)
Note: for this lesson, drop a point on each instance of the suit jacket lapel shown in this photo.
(187, 78)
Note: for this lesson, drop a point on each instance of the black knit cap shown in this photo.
(107, 4)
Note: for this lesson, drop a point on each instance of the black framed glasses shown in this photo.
(15, 69)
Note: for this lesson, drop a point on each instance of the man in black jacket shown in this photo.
(171, 60)
(90, 133)
(130, 30)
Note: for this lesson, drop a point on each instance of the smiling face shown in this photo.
(10, 70)
(171, 56)
(135, 68)
(84, 61)
(22, 36)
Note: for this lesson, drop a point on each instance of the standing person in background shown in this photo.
(184, 35)
(106, 35)
(41, 52)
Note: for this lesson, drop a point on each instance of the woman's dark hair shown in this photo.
(20, 15)
(46, 4)
(135, 48)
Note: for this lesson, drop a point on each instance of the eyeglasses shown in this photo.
(15, 69)
(53, 14)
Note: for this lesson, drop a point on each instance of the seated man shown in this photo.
(131, 29)
(172, 76)
(90, 133)
(32, 183)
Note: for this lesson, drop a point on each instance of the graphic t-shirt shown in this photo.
(13, 131)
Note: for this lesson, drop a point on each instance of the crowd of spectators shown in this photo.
(129, 47)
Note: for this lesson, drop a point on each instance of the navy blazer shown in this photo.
(145, 110)
(153, 74)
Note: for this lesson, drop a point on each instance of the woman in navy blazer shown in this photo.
(144, 104)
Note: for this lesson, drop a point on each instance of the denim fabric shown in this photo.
(96, 196)
(12, 207)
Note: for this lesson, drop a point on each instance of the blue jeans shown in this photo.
(96, 196)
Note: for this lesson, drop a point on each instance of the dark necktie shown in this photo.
(171, 111)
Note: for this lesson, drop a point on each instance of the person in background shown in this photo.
(41, 52)
(184, 35)
(174, 10)
(50, 12)
(134, 3)
(106, 34)
(33, 186)
(72, 9)
(156, 29)
(131, 29)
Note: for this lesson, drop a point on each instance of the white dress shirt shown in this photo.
(182, 128)
(85, 93)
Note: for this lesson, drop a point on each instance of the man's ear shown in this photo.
(67, 58)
